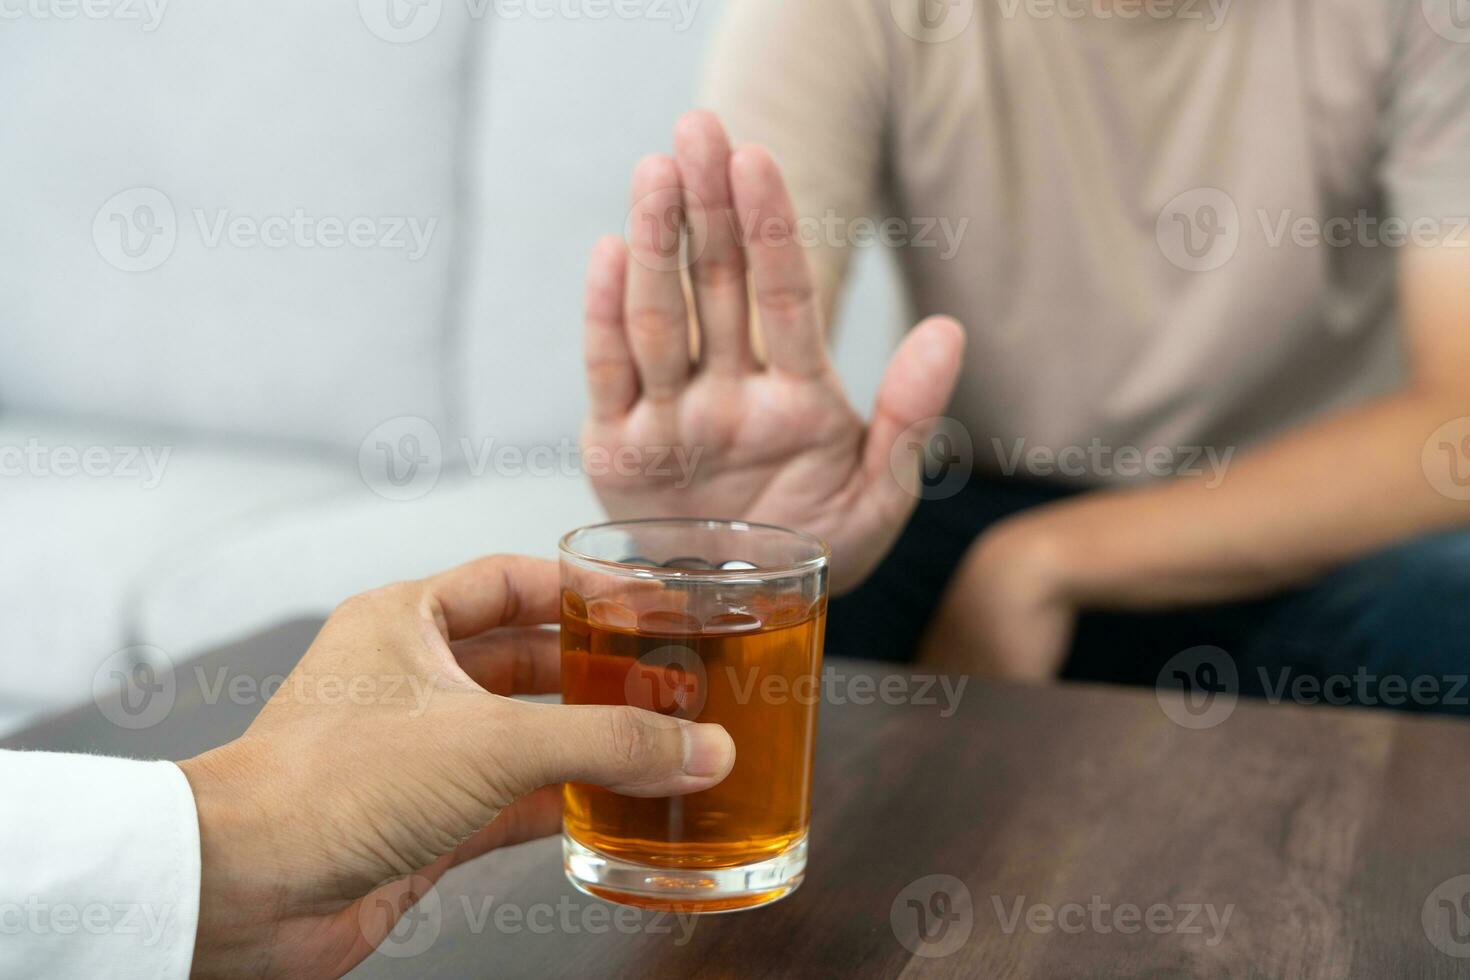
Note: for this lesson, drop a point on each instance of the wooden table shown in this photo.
(1074, 831)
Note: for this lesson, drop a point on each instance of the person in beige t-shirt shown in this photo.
(1212, 262)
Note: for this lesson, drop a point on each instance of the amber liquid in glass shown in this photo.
(760, 681)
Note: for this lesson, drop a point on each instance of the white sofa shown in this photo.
(273, 360)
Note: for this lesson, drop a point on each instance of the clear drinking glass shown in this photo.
(710, 621)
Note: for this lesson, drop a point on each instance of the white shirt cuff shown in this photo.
(101, 867)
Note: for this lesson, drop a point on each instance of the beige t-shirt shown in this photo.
(1130, 214)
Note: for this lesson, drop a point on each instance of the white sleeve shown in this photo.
(99, 867)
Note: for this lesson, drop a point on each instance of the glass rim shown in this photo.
(823, 554)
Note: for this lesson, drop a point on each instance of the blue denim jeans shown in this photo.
(1389, 630)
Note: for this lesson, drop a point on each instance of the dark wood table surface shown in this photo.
(1066, 831)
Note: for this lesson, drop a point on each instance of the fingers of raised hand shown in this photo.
(654, 312)
(726, 219)
(612, 376)
(715, 253)
(785, 296)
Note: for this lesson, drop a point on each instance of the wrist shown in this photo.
(1031, 550)
(238, 904)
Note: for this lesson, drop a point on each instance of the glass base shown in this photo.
(693, 890)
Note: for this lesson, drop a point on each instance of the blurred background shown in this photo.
(291, 304)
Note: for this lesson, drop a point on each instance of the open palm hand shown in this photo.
(714, 432)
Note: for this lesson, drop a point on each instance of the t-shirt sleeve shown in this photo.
(1426, 161)
(808, 79)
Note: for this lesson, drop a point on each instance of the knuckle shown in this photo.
(650, 325)
(374, 602)
(601, 305)
(364, 603)
(630, 736)
(719, 271)
(786, 300)
(352, 606)
(606, 371)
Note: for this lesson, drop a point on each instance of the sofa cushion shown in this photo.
(88, 512)
(303, 561)
(235, 217)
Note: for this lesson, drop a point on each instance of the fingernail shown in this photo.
(708, 751)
